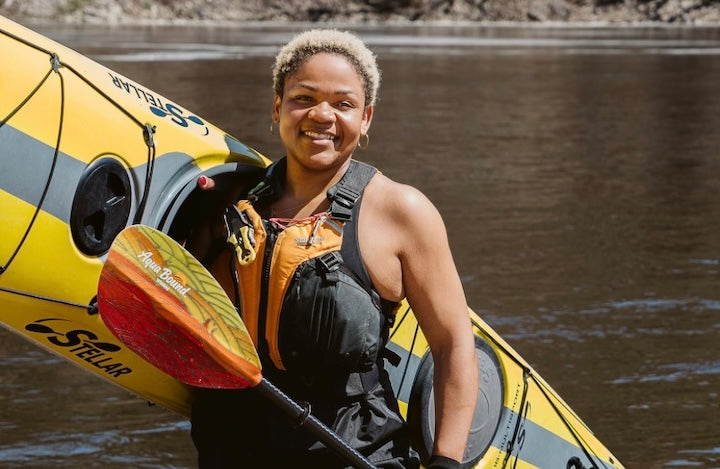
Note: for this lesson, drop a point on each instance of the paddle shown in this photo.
(159, 301)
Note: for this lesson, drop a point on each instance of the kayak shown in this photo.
(86, 152)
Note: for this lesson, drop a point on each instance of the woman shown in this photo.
(375, 241)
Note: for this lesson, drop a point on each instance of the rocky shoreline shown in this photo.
(612, 12)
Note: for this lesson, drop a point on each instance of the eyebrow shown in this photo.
(341, 91)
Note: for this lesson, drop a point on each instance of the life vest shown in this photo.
(306, 309)
(320, 328)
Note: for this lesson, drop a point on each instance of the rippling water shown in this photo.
(577, 173)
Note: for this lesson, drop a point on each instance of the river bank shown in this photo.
(613, 12)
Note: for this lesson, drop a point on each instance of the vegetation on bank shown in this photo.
(366, 11)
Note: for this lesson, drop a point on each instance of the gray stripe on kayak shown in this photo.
(536, 444)
(396, 372)
(25, 167)
(25, 164)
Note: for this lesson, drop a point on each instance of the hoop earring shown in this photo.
(367, 141)
(272, 127)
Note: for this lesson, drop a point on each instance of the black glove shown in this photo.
(441, 462)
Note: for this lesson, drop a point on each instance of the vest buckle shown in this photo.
(240, 234)
(329, 262)
(343, 200)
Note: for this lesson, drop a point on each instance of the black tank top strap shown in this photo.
(346, 197)
(350, 249)
(352, 186)
(271, 186)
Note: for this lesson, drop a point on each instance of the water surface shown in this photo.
(576, 170)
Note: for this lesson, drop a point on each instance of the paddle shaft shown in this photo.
(312, 424)
(191, 323)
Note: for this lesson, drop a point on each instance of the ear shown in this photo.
(366, 120)
(276, 108)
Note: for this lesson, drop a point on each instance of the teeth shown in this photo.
(318, 136)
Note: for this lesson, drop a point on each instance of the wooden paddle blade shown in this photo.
(165, 306)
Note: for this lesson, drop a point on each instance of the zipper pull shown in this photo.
(318, 222)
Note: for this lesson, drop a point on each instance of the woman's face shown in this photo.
(322, 113)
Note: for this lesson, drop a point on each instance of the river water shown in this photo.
(577, 171)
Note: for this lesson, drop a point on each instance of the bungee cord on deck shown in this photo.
(528, 373)
(56, 66)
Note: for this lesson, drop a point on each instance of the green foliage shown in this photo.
(75, 5)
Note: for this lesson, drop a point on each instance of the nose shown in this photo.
(322, 112)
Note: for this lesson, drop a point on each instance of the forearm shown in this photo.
(455, 389)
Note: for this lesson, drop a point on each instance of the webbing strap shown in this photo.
(269, 188)
(345, 194)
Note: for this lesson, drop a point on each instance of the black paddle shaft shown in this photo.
(312, 424)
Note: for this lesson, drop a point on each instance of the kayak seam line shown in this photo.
(40, 297)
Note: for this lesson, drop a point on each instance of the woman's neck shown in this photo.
(305, 191)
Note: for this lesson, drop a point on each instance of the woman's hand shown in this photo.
(205, 183)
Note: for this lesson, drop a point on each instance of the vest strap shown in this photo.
(345, 194)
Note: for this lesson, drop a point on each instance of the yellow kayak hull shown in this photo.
(74, 132)
(520, 421)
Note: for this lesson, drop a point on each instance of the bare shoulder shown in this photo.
(401, 202)
(397, 223)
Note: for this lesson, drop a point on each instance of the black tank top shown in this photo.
(352, 257)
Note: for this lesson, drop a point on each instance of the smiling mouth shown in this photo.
(318, 135)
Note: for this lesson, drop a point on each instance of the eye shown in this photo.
(345, 105)
(303, 98)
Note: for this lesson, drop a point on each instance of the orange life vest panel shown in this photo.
(303, 308)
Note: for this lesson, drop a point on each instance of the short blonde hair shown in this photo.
(316, 41)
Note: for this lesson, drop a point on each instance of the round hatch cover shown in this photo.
(488, 409)
(101, 206)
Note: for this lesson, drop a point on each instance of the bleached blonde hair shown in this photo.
(332, 41)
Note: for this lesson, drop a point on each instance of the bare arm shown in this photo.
(434, 291)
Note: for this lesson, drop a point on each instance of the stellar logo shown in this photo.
(157, 106)
(82, 344)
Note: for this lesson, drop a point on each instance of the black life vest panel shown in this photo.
(307, 309)
(328, 325)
